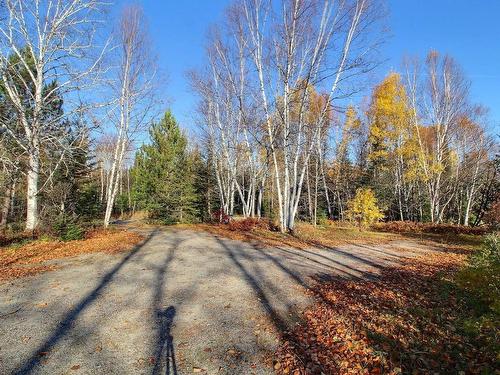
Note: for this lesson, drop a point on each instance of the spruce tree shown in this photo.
(164, 174)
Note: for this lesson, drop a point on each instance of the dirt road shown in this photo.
(182, 302)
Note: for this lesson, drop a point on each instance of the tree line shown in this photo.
(282, 132)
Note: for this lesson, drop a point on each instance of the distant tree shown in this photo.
(392, 146)
(164, 175)
(441, 99)
(492, 217)
(363, 208)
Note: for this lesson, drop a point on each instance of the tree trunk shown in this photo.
(101, 195)
(128, 189)
(259, 202)
(316, 179)
(467, 210)
(327, 195)
(309, 200)
(32, 189)
(6, 206)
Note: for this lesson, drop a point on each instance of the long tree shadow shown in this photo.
(413, 313)
(386, 254)
(67, 321)
(347, 254)
(280, 322)
(165, 361)
(275, 317)
(337, 267)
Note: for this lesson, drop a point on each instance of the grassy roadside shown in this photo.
(304, 236)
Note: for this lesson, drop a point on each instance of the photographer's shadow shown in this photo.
(165, 355)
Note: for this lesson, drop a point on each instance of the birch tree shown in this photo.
(317, 43)
(472, 146)
(45, 55)
(439, 101)
(280, 55)
(133, 87)
(229, 114)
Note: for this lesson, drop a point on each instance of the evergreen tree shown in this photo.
(164, 175)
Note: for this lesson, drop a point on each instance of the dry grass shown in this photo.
(305, 235)
(330, 235)
(25, 260)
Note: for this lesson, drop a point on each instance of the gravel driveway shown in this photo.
(182, 302)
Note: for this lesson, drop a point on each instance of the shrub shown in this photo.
(481, 276)
(489, 254)
(220, 217)
(67, 229)
(244, 225)
(72, 232)
(492, 217)
(363, 208)
(322, 218)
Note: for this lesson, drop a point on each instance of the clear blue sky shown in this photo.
(467, 30)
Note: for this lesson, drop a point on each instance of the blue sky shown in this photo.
(467, 30)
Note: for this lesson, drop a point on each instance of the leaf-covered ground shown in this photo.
(409, 320)
(28, 259)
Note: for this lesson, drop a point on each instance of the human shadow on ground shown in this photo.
(68, 320)
(164, 358)
(165, 354)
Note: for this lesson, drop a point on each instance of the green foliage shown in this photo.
(164, 175)
(72, 192)
(363, 208)
(479, 282)
(67, 229)
(121, 202)
(482, 274)
(88, 205)
(322, 218)
(489, 255)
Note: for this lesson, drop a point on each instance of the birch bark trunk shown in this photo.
(33, 177)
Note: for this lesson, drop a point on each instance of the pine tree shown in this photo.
(164, 175)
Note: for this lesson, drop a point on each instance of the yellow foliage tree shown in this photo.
(363, 208)
(393, 144)
(391, 131)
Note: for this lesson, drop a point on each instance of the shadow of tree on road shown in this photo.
(67, 321)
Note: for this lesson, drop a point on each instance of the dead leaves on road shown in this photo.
(27, 260)
(398, 323)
